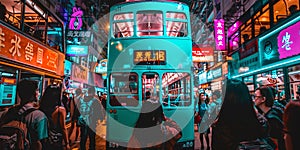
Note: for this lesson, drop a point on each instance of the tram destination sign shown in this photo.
(149, 57)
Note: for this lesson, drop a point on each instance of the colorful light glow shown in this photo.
(287, 41)
(219, 34)
(76, 19)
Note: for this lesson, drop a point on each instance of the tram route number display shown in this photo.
(149, 57)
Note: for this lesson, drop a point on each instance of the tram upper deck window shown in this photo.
(123, 25)
(149, 23)
(176, 24)
(123, 89)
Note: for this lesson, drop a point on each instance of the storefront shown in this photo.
(279, 60)
(24, 58)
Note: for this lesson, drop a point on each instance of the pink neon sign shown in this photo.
(76, 19)
(219, 34)
(287, 41)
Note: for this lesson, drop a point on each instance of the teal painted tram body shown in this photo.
(149, 49)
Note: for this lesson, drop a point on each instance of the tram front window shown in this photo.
(149, 23)
(123, 89)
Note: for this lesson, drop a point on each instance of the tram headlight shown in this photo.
(119, 46)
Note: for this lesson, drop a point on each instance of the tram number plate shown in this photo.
(149, 57)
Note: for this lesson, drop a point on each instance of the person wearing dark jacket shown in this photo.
(92, 107)
(264, 102)
(237, 119)
(291, 124)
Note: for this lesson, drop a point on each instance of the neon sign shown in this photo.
(287, 41)
(76, 19)
(219, 34)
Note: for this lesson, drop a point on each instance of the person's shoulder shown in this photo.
(37, 115)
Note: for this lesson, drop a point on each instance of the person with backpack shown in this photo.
(264, 102)
(90, 112)
(51, 105)
(30, 122)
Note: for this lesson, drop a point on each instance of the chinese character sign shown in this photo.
(19, 48)
(287, 41)
(219, 34)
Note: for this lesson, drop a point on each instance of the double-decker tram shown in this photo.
(149, 50)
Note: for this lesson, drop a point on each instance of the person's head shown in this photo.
(264, 96)
(148, 94)
(78, 91)
(216, 94)
(51, 98)
(237, 111)
(293, 9)
(91, 91)
(291, 120)
(27, 91)
(202, 96)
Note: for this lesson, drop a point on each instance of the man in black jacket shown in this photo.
(264, 102)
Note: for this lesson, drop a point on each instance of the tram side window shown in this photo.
(123, 89)
(123, 25)
(176, 89)
(149, 23)
(176, 24)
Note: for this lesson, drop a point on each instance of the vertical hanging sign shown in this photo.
(219, 34)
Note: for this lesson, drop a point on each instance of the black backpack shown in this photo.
(13, 130)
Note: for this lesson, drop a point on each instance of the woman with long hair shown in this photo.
(202, 108)
(237, 119)
(51, 105)
(291, 125)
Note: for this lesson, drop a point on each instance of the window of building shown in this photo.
(262, 23)
(246, 33)
(280, 11)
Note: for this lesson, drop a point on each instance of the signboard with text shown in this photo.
(287, 41)
(77, 50)
(19, 48)
(149, 57)
(202, 53)
(219, 34)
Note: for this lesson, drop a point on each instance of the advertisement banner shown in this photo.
(19, 48)
(79, 74)
(77, 50)
(287, 41)
(219, 34)
(202, 53)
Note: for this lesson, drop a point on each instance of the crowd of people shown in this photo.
(239, 120)
(235, 118)
(46, 120)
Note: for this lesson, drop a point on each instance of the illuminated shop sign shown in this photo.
(79, 74)
(77, 50)
(232, 29)
(102, 67)
(287, 41)
(280, 43)
(219, 34)
(76, 19)
(19, 48)
(149, 57)
(78, 34)
(202, 53)
(216, 73)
